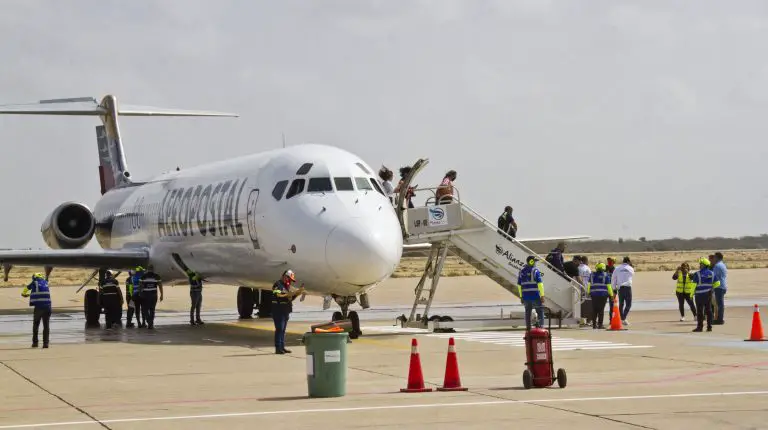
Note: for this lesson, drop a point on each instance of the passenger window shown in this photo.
(343, 184)
(360, 165)
(362, 184)
(378, 188)
(317, 185)
(304, 169)
(279, 189)
(297, 186)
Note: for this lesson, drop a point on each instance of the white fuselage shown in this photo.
(234, 223)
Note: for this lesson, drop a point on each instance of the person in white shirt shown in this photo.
(584, 274)
(386, 176)
(622, 282)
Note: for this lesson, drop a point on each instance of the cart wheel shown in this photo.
(561, 378)
(527, 379)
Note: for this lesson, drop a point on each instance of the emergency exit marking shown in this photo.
(310, 364)
(332, 356)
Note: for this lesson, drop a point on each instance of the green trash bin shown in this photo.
(326, 364)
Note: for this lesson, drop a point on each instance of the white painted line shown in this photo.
(386, 407)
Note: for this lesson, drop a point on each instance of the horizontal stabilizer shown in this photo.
(87, 106)
(113, 259)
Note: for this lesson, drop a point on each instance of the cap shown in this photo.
(704, 261)
(600, 266)
(289, 273)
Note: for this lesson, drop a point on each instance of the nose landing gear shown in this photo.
(344, 302)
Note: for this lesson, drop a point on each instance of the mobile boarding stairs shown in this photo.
(442, 227)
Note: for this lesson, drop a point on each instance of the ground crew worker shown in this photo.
(111, 300)
(530, 288)
(599, 288)
(137, 300)
(684, 289)
(149, 284)
(40, 297)
(196, 297)
(282, 307)
(610, 267)
(721, 271)
(705, 281)
(129, 300)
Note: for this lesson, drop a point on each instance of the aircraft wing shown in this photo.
(108, 259)
(422, 249)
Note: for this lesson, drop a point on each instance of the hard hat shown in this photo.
(38, 276)
(600, 266)
(139, 269)
(108, 273)
(289, 273)
(704, 261)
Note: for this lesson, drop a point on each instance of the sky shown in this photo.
(606, 118)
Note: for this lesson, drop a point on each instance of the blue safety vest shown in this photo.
(136, 281)
(598, 283)
(705, 278)
(529, 279)
(40, 294)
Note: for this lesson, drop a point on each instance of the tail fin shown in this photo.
(113, 169)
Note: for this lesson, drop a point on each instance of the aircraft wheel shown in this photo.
(245, 302)
(356, 332)
(336, 316)
(527, 379)
(561, 378)
(91, 308)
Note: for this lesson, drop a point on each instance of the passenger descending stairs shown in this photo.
(478, 242)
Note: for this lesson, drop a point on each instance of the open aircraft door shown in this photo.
(400, 203)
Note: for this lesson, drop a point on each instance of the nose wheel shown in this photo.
(344, 314)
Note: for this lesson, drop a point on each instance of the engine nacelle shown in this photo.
(69, 226)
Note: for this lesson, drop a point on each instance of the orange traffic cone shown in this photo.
(452, 381)
(415, 377)
(757, 327)
(616, 320)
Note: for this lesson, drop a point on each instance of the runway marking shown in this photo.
(512, 339)
(385, 407)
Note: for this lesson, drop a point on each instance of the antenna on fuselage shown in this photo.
(283, 140)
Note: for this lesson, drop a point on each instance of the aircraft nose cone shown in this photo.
(363, 252)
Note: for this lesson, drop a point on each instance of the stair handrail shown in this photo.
(530, 251)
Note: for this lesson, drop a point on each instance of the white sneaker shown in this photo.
(682, 319)
(624, 322)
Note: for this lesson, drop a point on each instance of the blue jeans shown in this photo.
(529, 304)
(720, 300)
(280, 318)
(625, 301)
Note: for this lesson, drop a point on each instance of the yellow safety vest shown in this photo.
(685, 285)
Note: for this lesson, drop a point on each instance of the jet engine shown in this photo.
(69, 226)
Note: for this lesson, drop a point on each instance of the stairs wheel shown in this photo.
(446, 318)
(434, 318)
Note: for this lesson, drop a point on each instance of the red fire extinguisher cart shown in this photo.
(541, 369)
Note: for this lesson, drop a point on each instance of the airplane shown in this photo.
(315, 209)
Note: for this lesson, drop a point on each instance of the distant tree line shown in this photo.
(644, 245)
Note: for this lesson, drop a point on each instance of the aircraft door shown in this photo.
(400, 205)
(253, 199)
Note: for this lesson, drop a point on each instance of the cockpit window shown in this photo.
(304, 169)
(317, 185)
(376, 185)
(279, 189)
(363, 184)
(343, 184)
(360, 165)
(297, 186)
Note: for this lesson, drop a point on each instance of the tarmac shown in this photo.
(655, 375)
